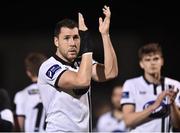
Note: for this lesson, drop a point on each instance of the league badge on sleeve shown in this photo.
(125, 94)
(52, 70)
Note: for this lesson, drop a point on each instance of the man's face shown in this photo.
(152, 63)
(116, 97)
(68, 43)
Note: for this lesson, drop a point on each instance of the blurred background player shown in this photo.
(6, 115)
(112, 121)
(151, 102)
(29, 109)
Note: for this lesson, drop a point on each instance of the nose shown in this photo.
(71, 42)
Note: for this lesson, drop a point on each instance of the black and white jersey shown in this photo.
(66, 111)
(108, 123)
(29, 105)
(140, 93)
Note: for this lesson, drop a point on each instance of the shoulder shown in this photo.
(170, 81)
(50, 67)
(104, 117)
(134, 80)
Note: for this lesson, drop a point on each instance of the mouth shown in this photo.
(73, 51)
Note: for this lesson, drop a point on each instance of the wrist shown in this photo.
(88, 53)
(105, 34)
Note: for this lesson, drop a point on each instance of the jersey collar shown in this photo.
(64, 62)
(149, 83)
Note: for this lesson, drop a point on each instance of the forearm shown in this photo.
(134, 119)
(175, 115)
(85, 70)
(110, 59)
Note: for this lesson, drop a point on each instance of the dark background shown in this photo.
(27, 26)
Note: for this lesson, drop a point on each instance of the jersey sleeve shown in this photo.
(128, 94)
(7, 115)
(19, 102)
(50, 73)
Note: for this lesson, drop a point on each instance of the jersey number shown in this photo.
(39, 107)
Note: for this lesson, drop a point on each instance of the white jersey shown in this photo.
(108, 123)
(139, 92)
(29, 104)
(66, 111)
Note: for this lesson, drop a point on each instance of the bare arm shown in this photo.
(21, 121)
(175, 111)
(109, 69)
(82, 78)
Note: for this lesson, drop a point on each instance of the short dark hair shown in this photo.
(149, 48)
(33, 62)
(69, 23)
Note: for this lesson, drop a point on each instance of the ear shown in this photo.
(141, 64)
(162, 61)
(28, 74)
(56, 41)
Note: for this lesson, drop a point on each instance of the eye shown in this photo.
(147, 59)
(156, 59)
(66, 38)
(75, 37)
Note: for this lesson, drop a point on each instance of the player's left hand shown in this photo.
(172, 95)
(104, 24)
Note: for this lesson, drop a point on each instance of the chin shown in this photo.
(71, 58)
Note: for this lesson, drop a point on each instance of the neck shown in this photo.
(117, 113)
(62, 57)
(153, 78)
(34, 79)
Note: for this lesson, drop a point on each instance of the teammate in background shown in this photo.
(29, 109)
(6, 115)
(112, 121)
(64, 81)
(151, 103)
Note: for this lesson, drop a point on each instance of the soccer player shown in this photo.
(151, 102)
(112, 121)
(64, 80)
(6, 115)
(29, 109)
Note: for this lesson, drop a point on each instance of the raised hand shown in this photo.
(81, 23)
(104, 24)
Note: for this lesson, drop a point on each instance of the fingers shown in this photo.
(106, 11)
(81, 22)
(172, 95)
(100, 21)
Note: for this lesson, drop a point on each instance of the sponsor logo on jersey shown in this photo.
(162, 111)
(125, 94)
(33, 91)
(52, 70)
(142, 92)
